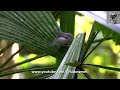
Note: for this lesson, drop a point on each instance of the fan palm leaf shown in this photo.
(35, 29)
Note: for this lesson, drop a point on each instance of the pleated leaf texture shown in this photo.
(65, 71)
(36, 29)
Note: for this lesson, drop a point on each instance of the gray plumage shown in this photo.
(63, 39)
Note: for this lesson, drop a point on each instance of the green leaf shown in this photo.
(42, 76)
(56, 14)
(74, 64)
(25, 70)
(108, 33)
(23, 62)
(91, 39)
(86, 74)
(67, 21)
(104, 67)
(102, 39)
(93, 49)
(63, 71)
(10, 58)
(35, 29)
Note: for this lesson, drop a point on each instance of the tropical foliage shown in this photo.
(35, 31)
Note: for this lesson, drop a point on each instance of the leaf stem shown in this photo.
(92, 50)
(86, 74)
(25, 61)
(91, 38)
(10, 58)
(102, 39)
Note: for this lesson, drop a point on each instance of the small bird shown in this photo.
(63, 39)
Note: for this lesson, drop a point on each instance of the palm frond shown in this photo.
(35, 29)
(65, 71)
